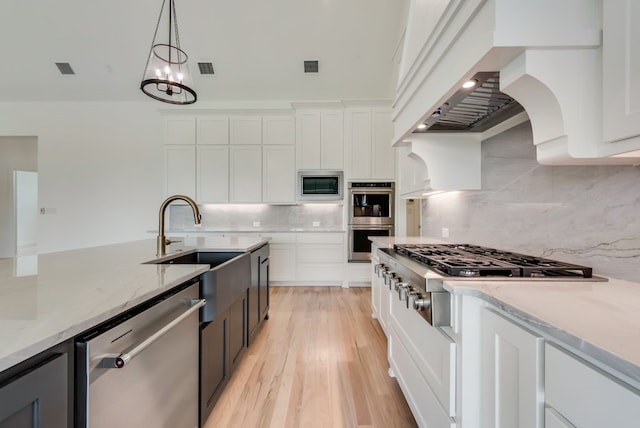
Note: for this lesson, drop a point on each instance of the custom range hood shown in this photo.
(540, 61)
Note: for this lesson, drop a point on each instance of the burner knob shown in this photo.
(412, 294)
(387, 275)
(422, 303)
(378, 269)
(393, 280)
(401, 288)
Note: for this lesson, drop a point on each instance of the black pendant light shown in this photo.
(166, 76)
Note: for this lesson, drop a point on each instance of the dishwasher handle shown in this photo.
(121, 360)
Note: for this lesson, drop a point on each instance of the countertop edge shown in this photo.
(606, 361)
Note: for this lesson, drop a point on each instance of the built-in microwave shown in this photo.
(320, 185)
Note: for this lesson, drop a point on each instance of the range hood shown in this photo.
(543, 56)
(473, 109)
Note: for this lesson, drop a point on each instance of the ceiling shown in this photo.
(257, 48)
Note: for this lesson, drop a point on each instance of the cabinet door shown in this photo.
(283, 262)
(38, 398)
(278, 130)
(213, 364)
(246, 130)
(585, 396)
(237, 331)
(279, 179)
(180, 170)
(180, 130)
(360, 143)
(213, 174)
(212, 130)
(512, 370)
(332, 140)
(264, 286)
(245, 174)
(383, 154)
(621, 70)
(308, 139)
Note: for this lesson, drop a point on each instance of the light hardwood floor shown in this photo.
(319, 361)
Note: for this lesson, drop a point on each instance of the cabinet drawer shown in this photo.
(320, 253)
(432, 352)
(320, 238)
(320, 272)
(585, 396)
(421, 398)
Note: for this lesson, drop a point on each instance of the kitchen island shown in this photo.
(522, 351)
(66, 293)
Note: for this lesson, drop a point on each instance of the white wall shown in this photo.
(100, 169)
(26, 202)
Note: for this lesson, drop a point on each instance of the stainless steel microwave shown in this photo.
(320, 185)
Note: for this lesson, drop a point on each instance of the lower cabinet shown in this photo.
(577, 394)
(222, 343)
(259, 291)
(38, 397)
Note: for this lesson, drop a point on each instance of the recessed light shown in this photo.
(422, 126)
(469, 83)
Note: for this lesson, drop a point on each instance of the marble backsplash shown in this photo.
(578, 214)
(228, 217)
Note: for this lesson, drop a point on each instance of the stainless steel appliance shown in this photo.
(141, 369)
(320, 185)
(416, 272)
(371, 213)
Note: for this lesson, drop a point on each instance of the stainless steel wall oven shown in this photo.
(371, 213)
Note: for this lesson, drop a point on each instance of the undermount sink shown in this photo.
(227, 279)
(212, 259)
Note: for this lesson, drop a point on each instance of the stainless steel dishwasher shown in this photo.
(141, 369)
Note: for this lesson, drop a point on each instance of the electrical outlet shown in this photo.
(256, 224)
(445, 232)
(316, 224)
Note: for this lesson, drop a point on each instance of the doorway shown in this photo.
(414, 218)
(18, 154)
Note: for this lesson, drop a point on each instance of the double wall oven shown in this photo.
(371, 213)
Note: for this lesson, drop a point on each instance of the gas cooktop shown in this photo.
(463, 260)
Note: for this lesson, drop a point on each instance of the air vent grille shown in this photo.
(206, 68)
(311, 66)
(474, 110)
(65, 68)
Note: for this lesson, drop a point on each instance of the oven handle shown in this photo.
(119, 361)
(371, 226)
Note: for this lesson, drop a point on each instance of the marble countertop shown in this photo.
(48, 298)
(600, 321)
(253, 230)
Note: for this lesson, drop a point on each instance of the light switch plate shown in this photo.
(316, 224)
(256, 224)
(445, 232)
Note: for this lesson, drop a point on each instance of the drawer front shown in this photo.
(320, 253)
(320, 238)
(424, 404)
(433, 353)
(585, 396)
(320, 272)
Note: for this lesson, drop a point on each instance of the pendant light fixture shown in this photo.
(166, 76)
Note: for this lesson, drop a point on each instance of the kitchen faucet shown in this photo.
(162, 240)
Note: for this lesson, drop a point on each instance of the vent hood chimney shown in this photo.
(544, 56)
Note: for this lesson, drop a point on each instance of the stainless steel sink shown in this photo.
(228, 278)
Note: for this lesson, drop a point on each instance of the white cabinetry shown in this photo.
(320, 257)
(582, 396)
(279, 174)
(245, 130)
(278, 130)
(512, 370)
(212, 168)
(621, 71)
(282, 255)
(212, 130)
(245, 173)
(320, 139)
(369, 132)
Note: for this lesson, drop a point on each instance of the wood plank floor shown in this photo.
(319, 361)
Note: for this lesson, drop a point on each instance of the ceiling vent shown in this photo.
(65, 68)
(474, 109)
(205, 68)
(311, 66)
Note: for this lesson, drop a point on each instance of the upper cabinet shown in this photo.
(621, 73)
(245, 130)
(279, 130)
(320, 139)
(573, 65)
(368, 140)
